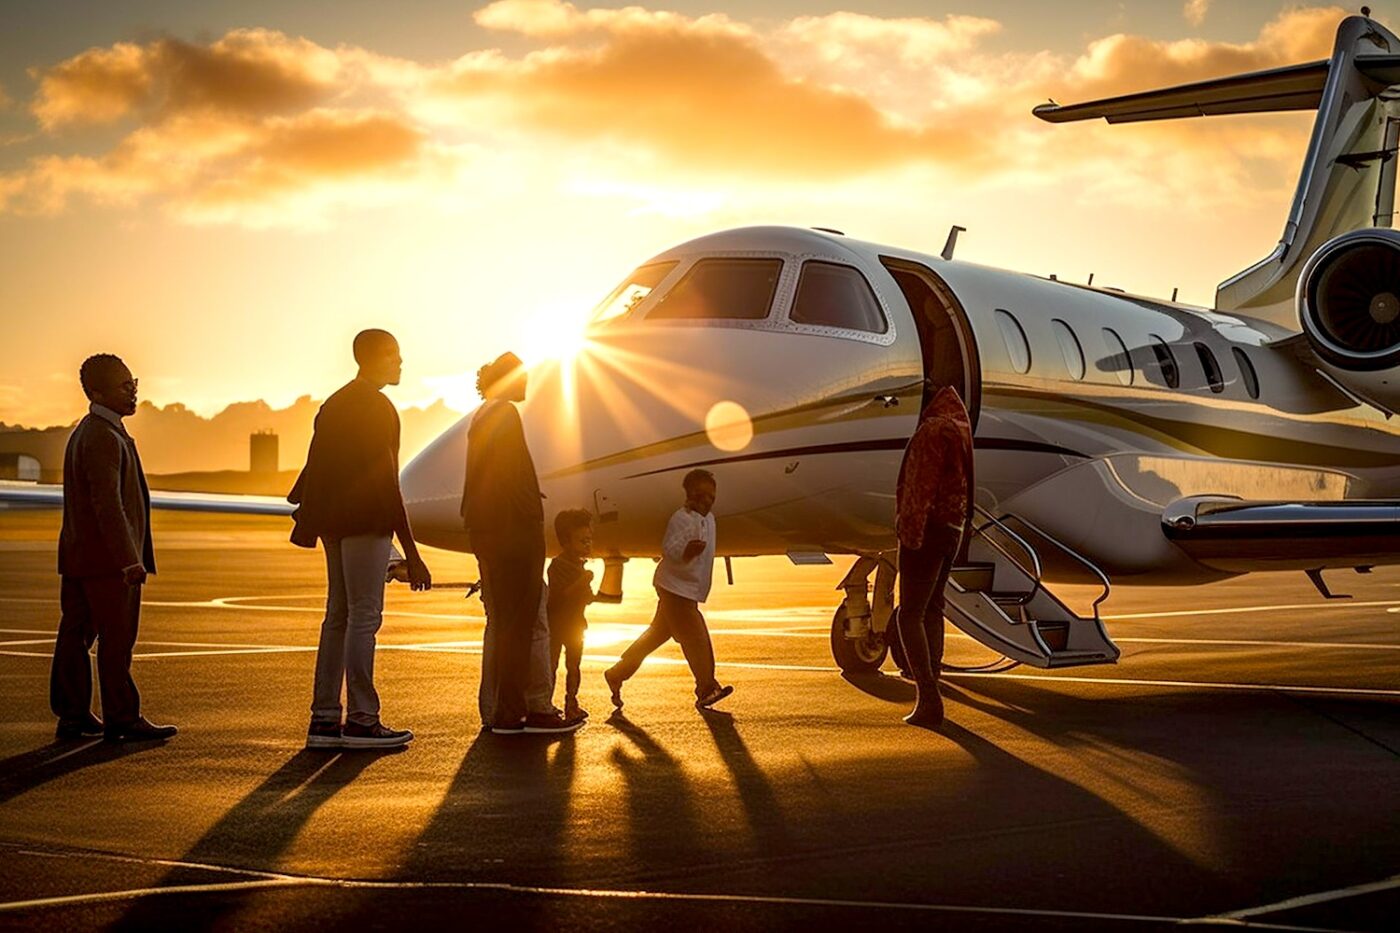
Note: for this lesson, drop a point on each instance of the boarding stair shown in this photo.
(998, 596)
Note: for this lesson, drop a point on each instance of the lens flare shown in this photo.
(729, 426)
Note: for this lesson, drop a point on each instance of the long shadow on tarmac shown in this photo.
(24, 772)
(259, 828)
(761, 804)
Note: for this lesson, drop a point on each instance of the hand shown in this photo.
(693, 549)
(588, 575)
(134, 575)
(418, 576)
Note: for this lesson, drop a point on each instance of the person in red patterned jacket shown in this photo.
(934, 506)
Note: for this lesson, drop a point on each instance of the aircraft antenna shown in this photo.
(952, 241)
(1091, 278)
(1173, 294)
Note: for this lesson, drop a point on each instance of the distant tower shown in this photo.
(262, 452)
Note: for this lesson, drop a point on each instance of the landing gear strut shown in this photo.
(861, 630)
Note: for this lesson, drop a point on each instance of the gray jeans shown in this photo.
(539, 688)
(354, 611)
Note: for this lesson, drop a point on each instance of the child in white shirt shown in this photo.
(682, 582)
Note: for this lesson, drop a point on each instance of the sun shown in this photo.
(556, 337)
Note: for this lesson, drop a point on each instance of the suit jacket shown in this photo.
(106, 504)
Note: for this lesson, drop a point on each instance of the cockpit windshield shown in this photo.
(631, 292)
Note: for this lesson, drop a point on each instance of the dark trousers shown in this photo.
(679, 618)
(102, 609)
(570, 644)
(923, 576)
(513, 570)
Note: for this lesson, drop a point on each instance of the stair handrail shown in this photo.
(1090, 565)
(1034, 574)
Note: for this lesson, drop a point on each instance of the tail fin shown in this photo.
(1348, 176)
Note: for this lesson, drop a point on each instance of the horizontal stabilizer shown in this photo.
(1296, 87)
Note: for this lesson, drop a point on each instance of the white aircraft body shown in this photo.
(1117, 436)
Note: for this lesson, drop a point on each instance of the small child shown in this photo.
(682, 582)
(570, 592)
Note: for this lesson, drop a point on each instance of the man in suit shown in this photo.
(104, 557)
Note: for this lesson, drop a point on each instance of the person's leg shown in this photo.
(573, 669)
(933, 611)
(116, 611)
(916, 581)
(539, 682)
(656, 635)
(490, 648)
(330, 652)
(363, 561)
(70, 678)
(688, 625)
(517, 578)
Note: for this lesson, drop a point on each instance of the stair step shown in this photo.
(975, 577)
(1003, 597)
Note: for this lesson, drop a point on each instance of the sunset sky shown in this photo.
(224, 193)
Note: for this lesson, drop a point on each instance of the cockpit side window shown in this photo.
(722, 289)
(831, 295)
(632, 292)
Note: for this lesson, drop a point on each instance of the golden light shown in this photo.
(729, 426)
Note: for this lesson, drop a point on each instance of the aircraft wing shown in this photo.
(32, 496)
(1243, 535)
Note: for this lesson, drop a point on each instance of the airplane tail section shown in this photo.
(1348, 178)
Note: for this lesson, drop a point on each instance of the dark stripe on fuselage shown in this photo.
(888, 443)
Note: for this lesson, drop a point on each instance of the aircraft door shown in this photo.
(945, 337)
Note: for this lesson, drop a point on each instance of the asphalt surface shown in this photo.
(1238, 765)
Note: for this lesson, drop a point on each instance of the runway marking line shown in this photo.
(1309, 900)
(267, 880)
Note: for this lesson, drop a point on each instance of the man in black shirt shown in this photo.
(348, 496)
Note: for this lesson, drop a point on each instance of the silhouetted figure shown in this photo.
(348, 497)
(570, 592)
(104, 556)
(934, 506)
(682, 582)
(503, 513)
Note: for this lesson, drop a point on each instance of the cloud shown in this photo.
(258, 127)
(1195, 11)
(5, 101)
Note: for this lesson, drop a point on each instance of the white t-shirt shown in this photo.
(690, 579)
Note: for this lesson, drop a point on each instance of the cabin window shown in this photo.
(722, 289)
(1069, 348)
(1211, 367)
(632, 292)
(1118, 359)
(1166, 362)
(829, 295)
(1018, 349)
(1247, 373)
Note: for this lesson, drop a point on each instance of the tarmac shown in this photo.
(1239, 766)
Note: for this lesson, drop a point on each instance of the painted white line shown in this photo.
(1246, 642)
(1308, 900)
(1184, 684)
(609, 894)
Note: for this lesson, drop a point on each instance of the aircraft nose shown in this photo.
(432, 489)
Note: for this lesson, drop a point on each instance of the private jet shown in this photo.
(1118, 437)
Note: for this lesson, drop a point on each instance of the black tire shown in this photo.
(863, 656)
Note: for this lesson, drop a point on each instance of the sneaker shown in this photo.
(508, 728)
(550, 723)
(716, 694)
(615, 686)
(378, 735)
(324, 735)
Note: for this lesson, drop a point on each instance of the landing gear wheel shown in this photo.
(897, 645)
(856, 655)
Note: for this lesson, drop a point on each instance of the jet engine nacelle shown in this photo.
(1349, 309)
